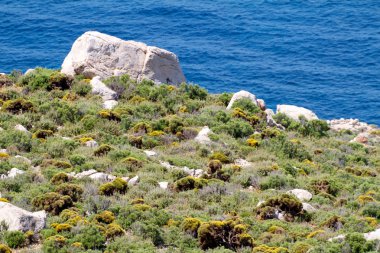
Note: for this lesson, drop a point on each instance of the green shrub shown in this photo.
(191, 225)
(59, 178)
(189, 183)
(52, 202)
(288, 204)
(113, 230)
(4, 249)
(102, 150)
(230, 234)
(214, 166)
(77, 160)
(14, 239)
(324, 186)
(91, 237)
(55, 244)
(81, 88)
(42, 134)
(132, 163)
(73, 190)
(46, 79)
(106, 217)
(358, 243)
(18, 105)
(246, 105)
(118, 185)
(220, 157)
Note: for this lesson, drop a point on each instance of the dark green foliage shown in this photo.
(372, 210)
(52, 202)
(77, 160)
(358, 244)
(21, 140)
(73, 190)
(91, 238)
(324, 186)
(18, 105)
(14, 239)
(82, 88)
(246, 105)
(229, 234)
(59, 178)
(42, 134)
(102, 150)
(189, 183)
(46, 79)
(285, 203)
(118, 185)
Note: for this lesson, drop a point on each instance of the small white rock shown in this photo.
(374, 235)
(308, 208)
(243, 163)
(91, 144)
(21, 128)
(150, 153)
(163, 185)
(134, 180)
(239, 95)
(202, 136)
(294, 112)
(28, 161)
(302, 195)
(110, 104)
(14, 172)
(99, 88)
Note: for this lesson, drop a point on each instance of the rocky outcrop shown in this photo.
(150, 153)
(294, 112)
(202, 136)
(12, 173)
(353, 125)
(239, 95)
(302, 195)
(270, 121)
(97, 54)
(190, 172)
(19, 219)
(370, 236)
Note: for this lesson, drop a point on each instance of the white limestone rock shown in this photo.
(353, 125)
(1, 129)
(99, 54)
(261, 104)
(91, 144)
(239, 95)
(374, 235)
(99, 88)
(28, 71)
(242, 163)
(134, 180)
(270, 121)
(294, 112)
(308, 208)
(202, 136)
(338, 238)
(4, 151)
(21, 128)
(101, 176)
(85, 173)
(187, 170)
(163, 185)
(12, 173)
(110, 104)
(19, 219)
(301, 194)
(150, 153)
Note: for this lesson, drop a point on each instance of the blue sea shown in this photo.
(322, 55)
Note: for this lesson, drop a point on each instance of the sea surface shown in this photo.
(322, 55)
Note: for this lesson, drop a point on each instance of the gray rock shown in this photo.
(91, 144)
(98, 54)
(308, 208)
(134, 180)
(99, 88)
(19, 219)
(302, 195)
(163, 185)
(110, 104)
(202, 136)
(12, 173)
(239, 95)
(294, 112)
(21, 128)
(150, 153)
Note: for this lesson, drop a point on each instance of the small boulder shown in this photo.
(261, 104)
(21, 128)
(100, 176)
(202, 136)
(163, 185)
(99, 54)
(24, 159)
(294, 112)
(91, 144)
(270, 121)
(12, 173)
(85, 173)
(239, 95)
(308, 208)
(302, 195)
(374, 235)
(150, 153)
(361, 138)
(134, 180)
(19, 219)
(242, 163)
(29, 71)
(110, 104)
(353, 125)
(99, 88)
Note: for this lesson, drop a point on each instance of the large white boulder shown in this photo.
(308, 208)
(294, 112)
(374, 235)
(99, 54)
(110, 104)
(301, 194)
(19, 219)
(239, 95)
(202, 136)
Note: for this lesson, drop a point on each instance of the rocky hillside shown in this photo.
(111, 164)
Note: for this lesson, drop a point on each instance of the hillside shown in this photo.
(168, 168)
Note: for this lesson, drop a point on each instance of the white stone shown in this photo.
(163, 185)
(294, 112)
(338, 238)
(270, 121)
(239, 95)
(301, 194)
(101, 176)
(98, 54)
(86, 173)
(243, 163)
(374, 235)
(4, 151)
(308, 208)
(260, 202)
(29, 71)
(21, 128)
(202, 136)
(134, 180)
(110, 104)
(91, 144)
(19, 219)
(125, 179)
(28, 161)
(14, 172)
(1, 129)
(261, 104)
(354, 125)
(66, 138)
(99, 88)
(150, 153)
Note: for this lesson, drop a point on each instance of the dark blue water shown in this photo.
(323, 55)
